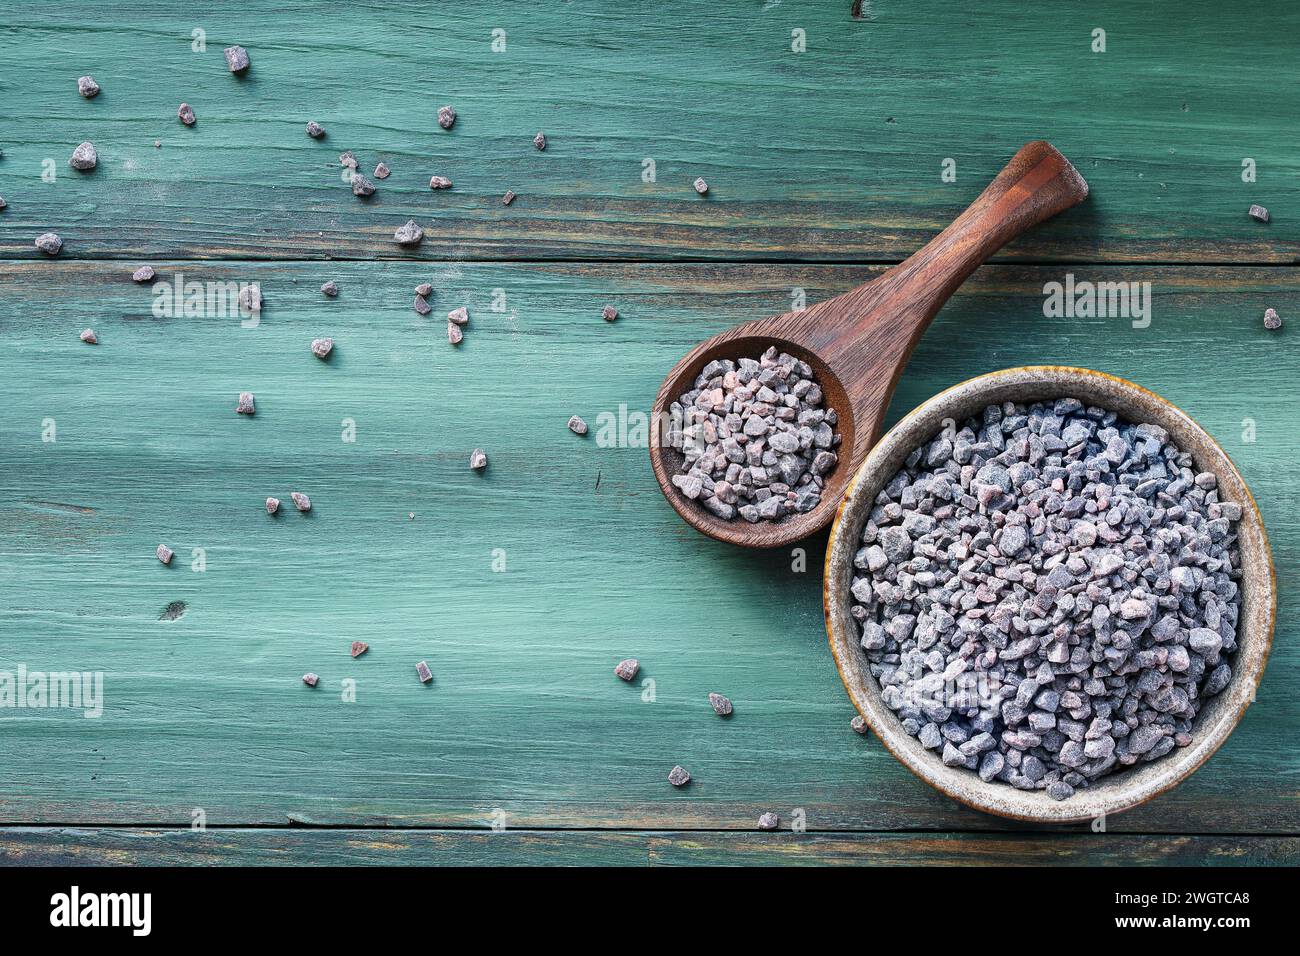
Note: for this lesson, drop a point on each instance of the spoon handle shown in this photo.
(876, 325)
(1035, 185)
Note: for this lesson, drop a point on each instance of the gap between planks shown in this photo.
(1027, 830)
(665, 263)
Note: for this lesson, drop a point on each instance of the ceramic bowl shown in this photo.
(1126, 787)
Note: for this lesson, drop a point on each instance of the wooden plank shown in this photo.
(524, 715)
(832, 154)
(353, 847)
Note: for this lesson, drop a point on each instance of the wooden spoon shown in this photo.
(858, 342)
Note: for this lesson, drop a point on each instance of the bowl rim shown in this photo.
(1121, 791)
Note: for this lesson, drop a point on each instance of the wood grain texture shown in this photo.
(829, 156)
(207, 711)
(833, 154)
(353, 847)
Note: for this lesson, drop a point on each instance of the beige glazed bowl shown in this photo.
(1125, 787)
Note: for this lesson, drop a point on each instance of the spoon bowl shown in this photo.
(858, 342)
(749, 339)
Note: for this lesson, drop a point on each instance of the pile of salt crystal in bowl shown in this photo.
(1048, 594)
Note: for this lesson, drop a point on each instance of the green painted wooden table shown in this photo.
(523, 586)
